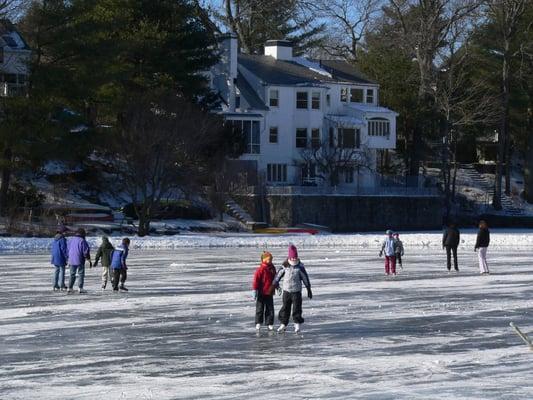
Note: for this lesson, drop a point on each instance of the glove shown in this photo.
(90, 264)
(254, 293)
(381, 254)
(95, 264)
(278, 289)
(309, 293)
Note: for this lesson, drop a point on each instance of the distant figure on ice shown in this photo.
(389, 249)
(78, 252)
(59, 258)
(482, 243)
(104, 253)
(450, 241)
(263, 290)
(399, 251)
(118, 264)
(293, 274)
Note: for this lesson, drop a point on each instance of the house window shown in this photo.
(370, 96)
(251, 133)
(347, 138)
(315, 100)
(328, 100)
(277, 172)
(301, 138)
(273, 137)
(356, 95)
(315, 138)
(237, 101)
(274, 98)
(301, 100)
(308, 174)
(379, 127)
(331, 137)
(344, 95)
(348, 175)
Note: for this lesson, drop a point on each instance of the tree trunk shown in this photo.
(6, 180)
(528, 170)
(144, 225)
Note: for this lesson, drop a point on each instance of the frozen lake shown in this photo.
(186, 329)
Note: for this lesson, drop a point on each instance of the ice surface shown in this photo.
(186, 329)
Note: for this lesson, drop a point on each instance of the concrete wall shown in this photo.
(348, 213)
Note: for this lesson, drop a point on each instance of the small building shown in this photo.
(306, 122)
(14, 61)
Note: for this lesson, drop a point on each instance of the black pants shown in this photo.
(293, 300)
(264, 310)
(449, 251)
(399, 259)
(119, 275)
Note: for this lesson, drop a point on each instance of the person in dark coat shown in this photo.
(450, 242)
(482, 243)
(118, 265)
(59, 259)
(104, 253)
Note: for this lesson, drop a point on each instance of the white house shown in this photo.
(288, 107)
(14, 61)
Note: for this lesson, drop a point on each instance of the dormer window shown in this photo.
(370, 96)
(356, 95)
(274, 98)
(379, 127)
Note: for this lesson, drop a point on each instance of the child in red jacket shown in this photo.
(263, 291)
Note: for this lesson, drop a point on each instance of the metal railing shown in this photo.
(403, 191)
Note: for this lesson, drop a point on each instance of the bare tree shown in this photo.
(506, 16)
(461, 101)
(331, 159)
(164, 144)
(423, 27)
(350, 20)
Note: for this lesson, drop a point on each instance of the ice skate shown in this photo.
(282, 328)
(271, 327)
(123, 288)
(257, 327)
(82, 291)
(297, 328)
(70, 290)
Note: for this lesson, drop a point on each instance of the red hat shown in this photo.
(293, 252)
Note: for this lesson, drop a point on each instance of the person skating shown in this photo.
(59, 259)
(104, 253)
(119, 267)
(450, 241)
(482, 243)
(78, 253)
(399, 251)
(293, 274)
(263, 289)
(389, 249)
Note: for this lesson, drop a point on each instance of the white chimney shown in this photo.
(279, 49)
(228, 57)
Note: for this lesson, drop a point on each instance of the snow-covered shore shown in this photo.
(499, 238)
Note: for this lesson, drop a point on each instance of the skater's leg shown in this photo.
(399, 259)
(387, 265)
(81, 274)
(55, 282)
(105, 274)
(393, 264)
(73, 270)
(482, 254)
(259, 309)
(269, 310)
(297, 308)
(285, 311)
(62, 277)
(455, 262)
(448, 258)
(123, 276)
(116, 278)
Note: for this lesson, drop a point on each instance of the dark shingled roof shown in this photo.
(281, 72)
(343, 71)
(249, 94)
(7, 27)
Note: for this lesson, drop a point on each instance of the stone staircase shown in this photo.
(483, 183)
(237, 212)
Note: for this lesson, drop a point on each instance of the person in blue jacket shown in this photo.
(118, 265)
(59, 259)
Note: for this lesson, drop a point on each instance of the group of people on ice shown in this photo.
(75, 251)
(288, 279)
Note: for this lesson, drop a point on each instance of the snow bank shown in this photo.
(499, 238)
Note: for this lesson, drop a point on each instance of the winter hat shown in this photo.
(389, 232)
(396, 234)
(293, 252)
(81, 232)
(61, 229)
(266, 255)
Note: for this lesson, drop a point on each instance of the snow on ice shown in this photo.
(185, 330)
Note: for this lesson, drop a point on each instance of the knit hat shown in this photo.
(396, 234)
(389, 232)
(266, 255)
(61, 229)
(81, 232)
(293, 252)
